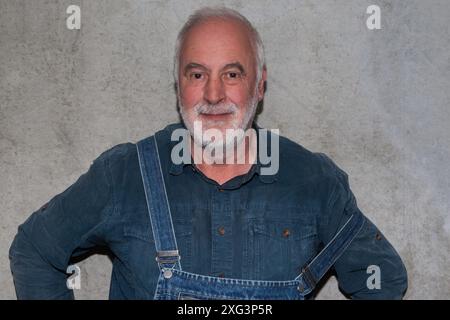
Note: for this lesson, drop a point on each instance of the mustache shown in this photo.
(205, 108)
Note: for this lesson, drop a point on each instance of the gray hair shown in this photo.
(207, 13)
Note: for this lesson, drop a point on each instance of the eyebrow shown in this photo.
(235, 65)
(194, 65)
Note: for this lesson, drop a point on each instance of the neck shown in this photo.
(230, 168)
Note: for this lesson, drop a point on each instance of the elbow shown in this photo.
(397, 283)
(401, 281)
(20, 248)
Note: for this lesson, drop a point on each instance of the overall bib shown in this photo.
(175, 284)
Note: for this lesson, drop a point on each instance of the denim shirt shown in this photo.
(254, 226)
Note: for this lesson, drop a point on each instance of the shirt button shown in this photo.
(378, 236)
(221, 231)
(221, 190)
(286, 233)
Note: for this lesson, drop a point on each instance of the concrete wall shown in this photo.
(376, 101)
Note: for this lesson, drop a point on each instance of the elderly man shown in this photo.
(210, 227)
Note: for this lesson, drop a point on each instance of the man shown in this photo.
(219, 228)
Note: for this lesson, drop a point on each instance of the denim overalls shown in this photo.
(175, 284)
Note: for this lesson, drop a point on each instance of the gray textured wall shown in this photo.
(376, 101)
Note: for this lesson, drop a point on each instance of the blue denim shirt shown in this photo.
(262, 227)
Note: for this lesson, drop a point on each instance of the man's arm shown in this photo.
(73, 221)
(369, 258)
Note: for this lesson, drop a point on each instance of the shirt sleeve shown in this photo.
(370, 268)
(70, 223)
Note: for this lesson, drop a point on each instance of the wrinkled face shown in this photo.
(217, 76)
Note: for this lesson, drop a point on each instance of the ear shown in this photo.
(261, 84)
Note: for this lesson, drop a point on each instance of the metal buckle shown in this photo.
(169, 256)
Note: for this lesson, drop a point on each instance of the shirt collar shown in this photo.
(177, 169)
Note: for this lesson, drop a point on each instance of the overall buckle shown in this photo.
(167, 257)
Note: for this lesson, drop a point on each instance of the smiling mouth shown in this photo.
(216, 116)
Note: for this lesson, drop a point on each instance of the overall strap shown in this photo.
(326, 258)
(157, 203)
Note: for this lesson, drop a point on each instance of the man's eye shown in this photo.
(196, 76)
(233, 75)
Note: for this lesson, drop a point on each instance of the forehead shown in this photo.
(217, 41)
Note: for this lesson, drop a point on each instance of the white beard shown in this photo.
(243, 124)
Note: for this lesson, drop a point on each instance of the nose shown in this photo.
(214, 91)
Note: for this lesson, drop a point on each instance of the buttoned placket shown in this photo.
(222, 233)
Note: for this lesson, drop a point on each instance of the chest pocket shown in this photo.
(140, 240)
(277, 249)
